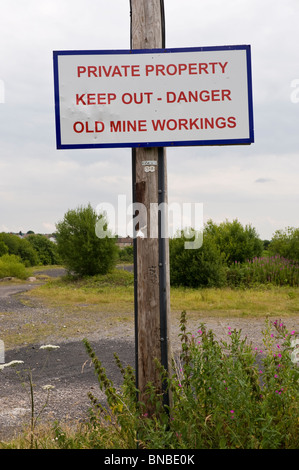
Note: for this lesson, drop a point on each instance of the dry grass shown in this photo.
(70, 308)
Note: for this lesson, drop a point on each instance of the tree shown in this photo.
(286, 243)
(3, 248)
(47, 250)
(202, 267)
(79, 247)
(20, 247)
(236, 242)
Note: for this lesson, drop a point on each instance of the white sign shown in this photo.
(147, 98)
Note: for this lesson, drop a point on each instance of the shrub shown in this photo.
(236, 242)
(225, 394)
(45, 248)
(79, 247)
(196, 267)
(126, 254)
(286, 243)
(20, 247)
(274, 270)
(11, 266)
(3, 248)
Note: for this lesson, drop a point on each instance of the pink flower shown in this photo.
(232, 411)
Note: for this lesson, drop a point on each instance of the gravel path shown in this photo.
(69, 370)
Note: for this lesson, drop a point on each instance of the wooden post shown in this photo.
(151, 253)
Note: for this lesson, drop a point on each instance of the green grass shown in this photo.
(80, 307)
(226, 302)
(115, 292)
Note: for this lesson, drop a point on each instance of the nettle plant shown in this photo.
(224, 394)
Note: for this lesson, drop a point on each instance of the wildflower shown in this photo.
(232, 411)
(10, 364)
(48, 387)
(293, 332)
(49, 347)
(276, 376)
(278, 346)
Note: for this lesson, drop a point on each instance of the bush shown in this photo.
(126, 254)
(286, 243)
(45, 248)
(236, 242)
(20, 247)
(3, 248)
(202, 267)
(274, 270)
(79, 247)
(11, 266)
(226, 395)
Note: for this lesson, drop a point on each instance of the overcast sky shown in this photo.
(256, 184)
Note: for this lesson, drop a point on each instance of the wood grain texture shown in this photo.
(146, 31)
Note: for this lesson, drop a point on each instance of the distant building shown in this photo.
(122, 242)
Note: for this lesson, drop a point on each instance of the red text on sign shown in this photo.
(108, 71)
(95, 98)
(97, 126)
(195, 96)
(190, 69)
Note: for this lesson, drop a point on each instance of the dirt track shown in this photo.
(69, 370)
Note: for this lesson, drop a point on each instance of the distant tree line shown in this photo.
(226, 255)
(223, 259)
(35, 249)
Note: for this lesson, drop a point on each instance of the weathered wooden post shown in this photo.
(152, 305)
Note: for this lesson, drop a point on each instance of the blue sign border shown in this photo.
(184, 143)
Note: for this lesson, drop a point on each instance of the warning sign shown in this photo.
(148, 98)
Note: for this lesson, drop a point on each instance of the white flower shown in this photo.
(11, 364)
(48, 387)
(294, 342)
(49, 347)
